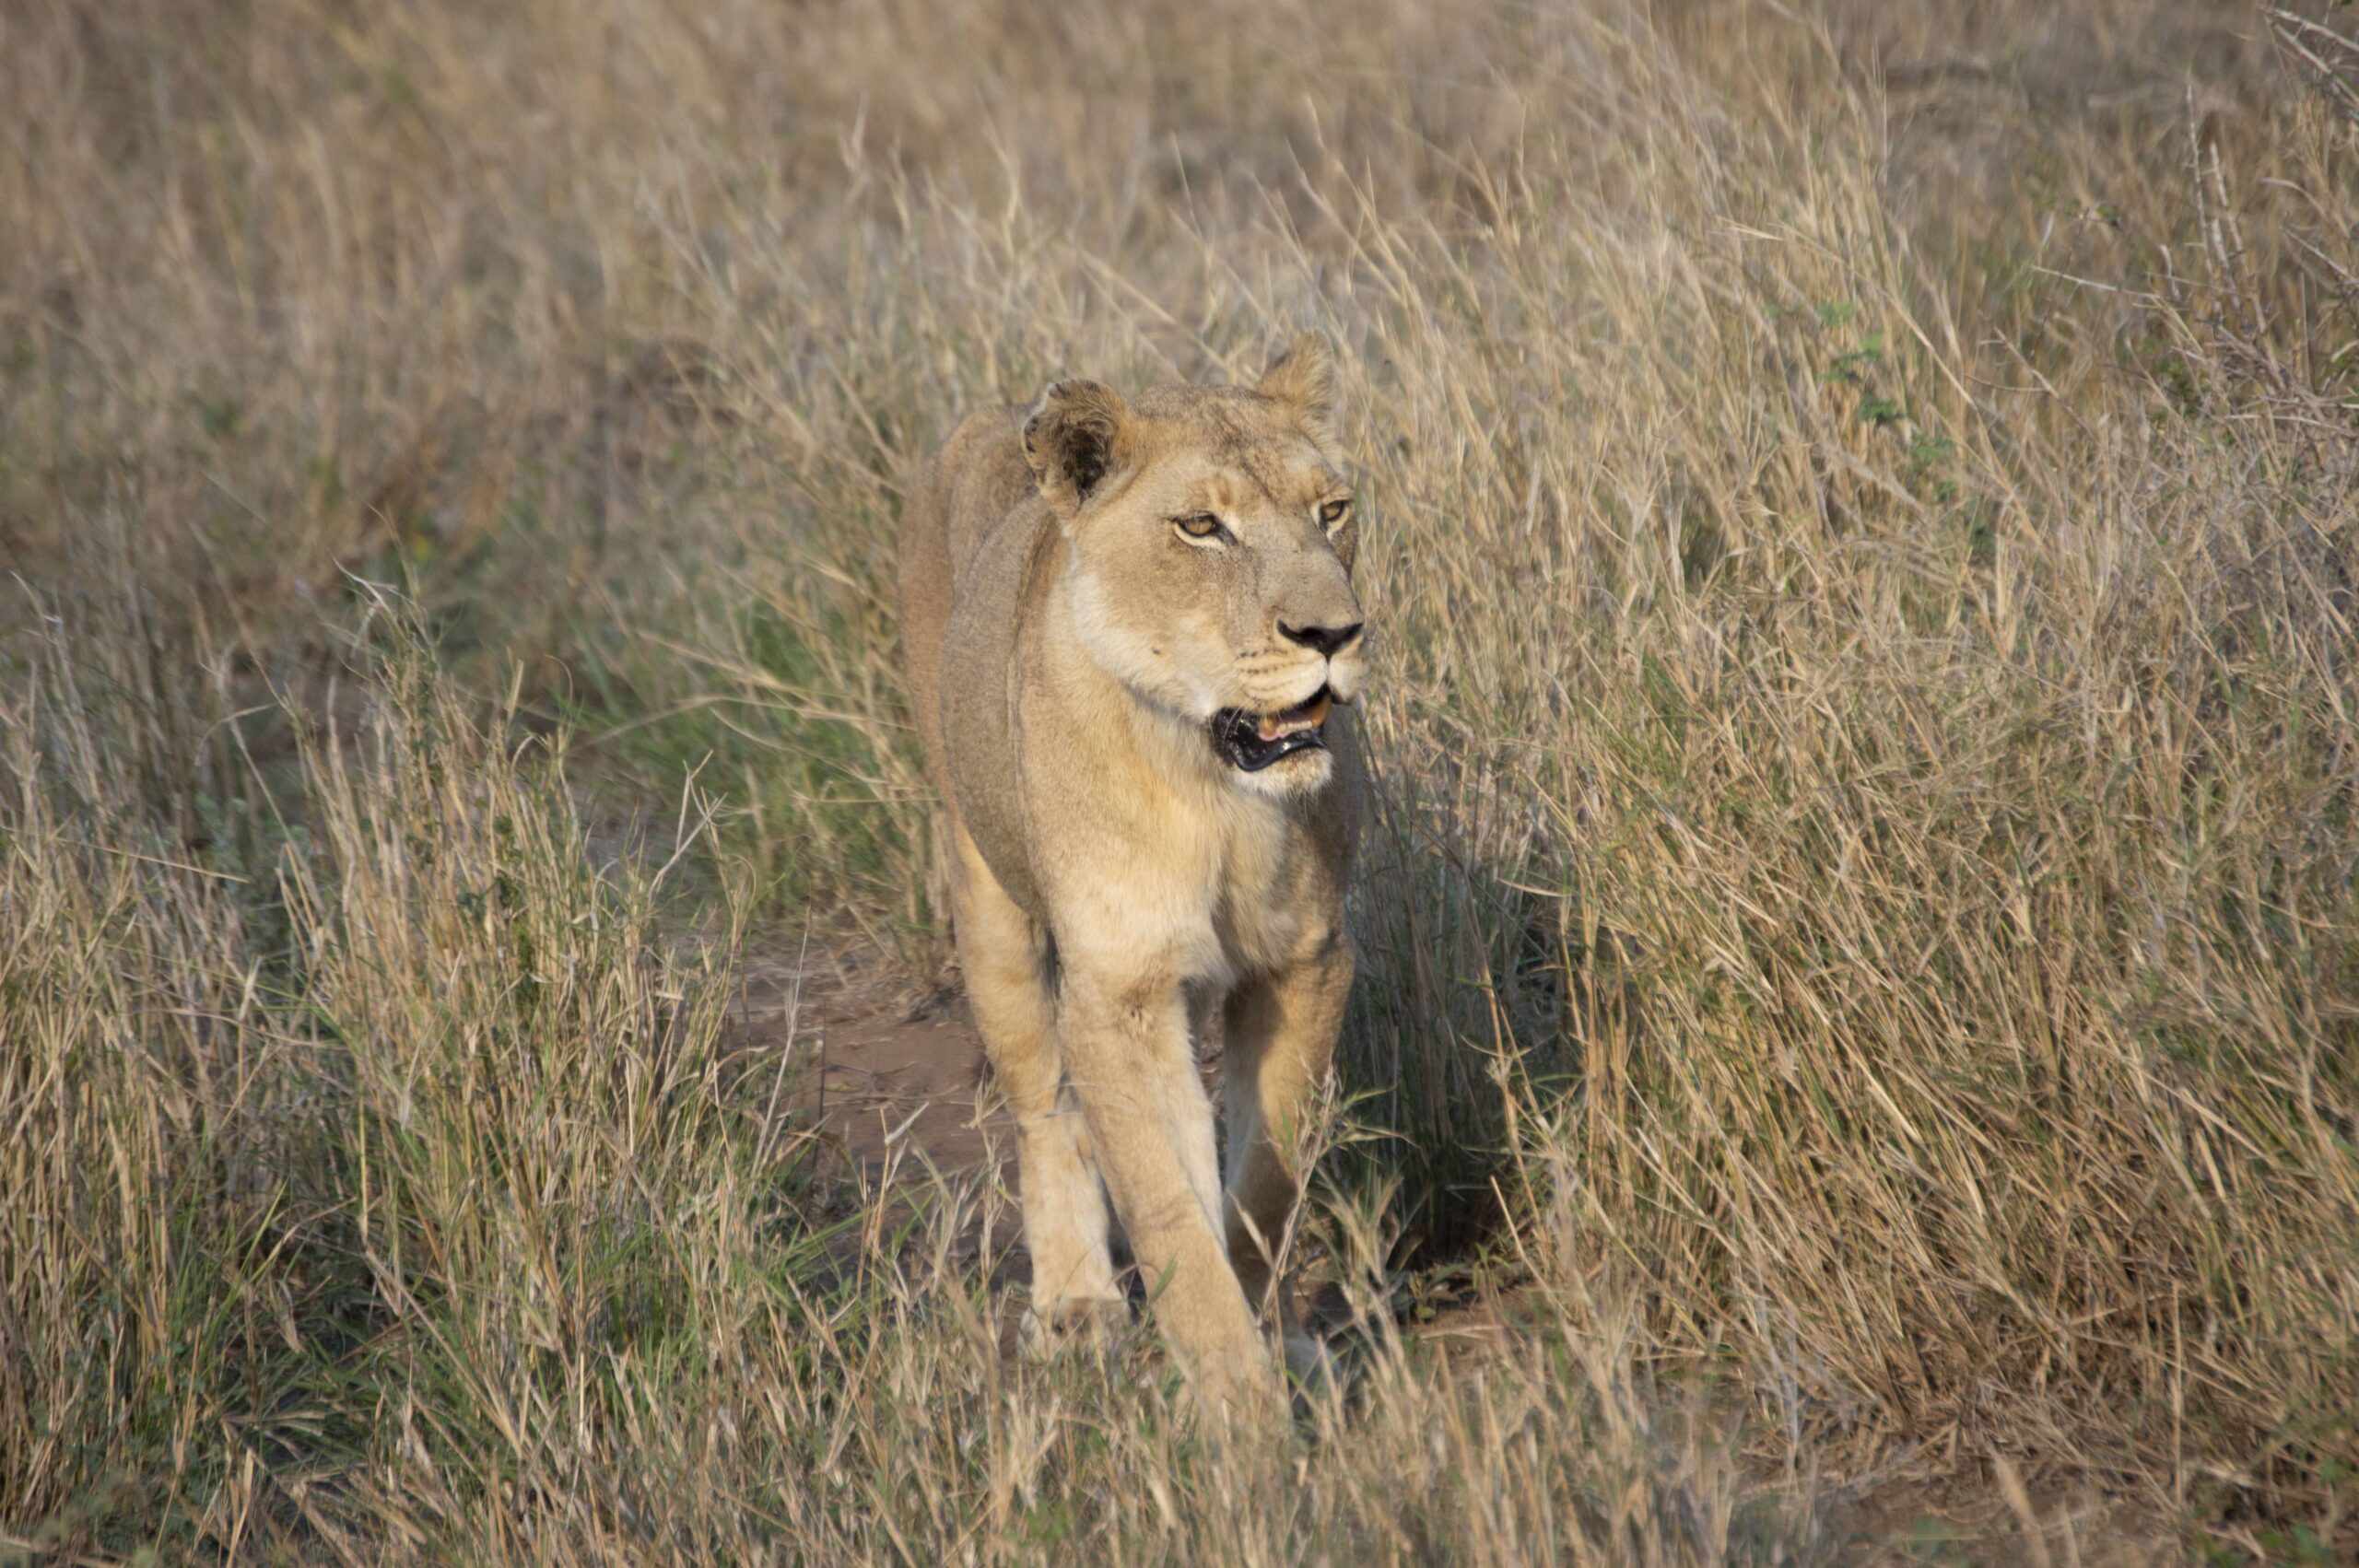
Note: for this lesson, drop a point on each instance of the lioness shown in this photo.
(1128, 629)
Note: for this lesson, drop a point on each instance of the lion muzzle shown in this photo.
(1251, 741)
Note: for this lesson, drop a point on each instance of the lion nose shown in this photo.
(1326, 640)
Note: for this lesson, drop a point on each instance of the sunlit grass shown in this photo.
(1858, 932)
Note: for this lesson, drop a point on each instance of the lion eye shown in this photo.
(1199, 525)
(1334, 512)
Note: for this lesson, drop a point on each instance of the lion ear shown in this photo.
(1073, 438)
(1304, 379)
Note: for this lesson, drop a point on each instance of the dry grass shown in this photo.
(1862, 920)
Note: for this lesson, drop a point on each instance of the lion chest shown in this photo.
(1267, 897)
(1203, 891)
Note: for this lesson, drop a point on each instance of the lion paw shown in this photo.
(1065, 1322)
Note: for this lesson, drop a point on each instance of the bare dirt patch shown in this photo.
(884, 1077)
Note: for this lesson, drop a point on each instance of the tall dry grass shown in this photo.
(1860, 920)
(443, 1220)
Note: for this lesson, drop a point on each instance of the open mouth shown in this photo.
(1251, 741)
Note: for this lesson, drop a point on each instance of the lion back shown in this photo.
(974, 538)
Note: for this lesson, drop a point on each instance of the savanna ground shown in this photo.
(1858, 1016)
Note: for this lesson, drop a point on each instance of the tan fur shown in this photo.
(1113, 880)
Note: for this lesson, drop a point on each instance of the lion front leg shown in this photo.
(1281, 1031)
(1132, 1062)
(1005, 954)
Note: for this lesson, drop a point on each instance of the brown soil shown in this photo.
(884, 1079)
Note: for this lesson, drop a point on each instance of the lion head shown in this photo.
(1211, 535)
